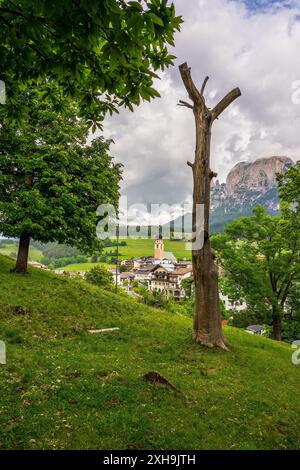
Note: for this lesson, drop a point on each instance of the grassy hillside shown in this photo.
(81, 267)
(34, 253)
(65, 388)
(145, 247)
(134, 248)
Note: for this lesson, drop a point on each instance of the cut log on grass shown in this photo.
(103, 330)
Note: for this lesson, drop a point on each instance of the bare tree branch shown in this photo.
(225, 102)
(204, 85)
(191, 88)
(184, 103)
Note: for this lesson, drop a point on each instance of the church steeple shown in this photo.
(159, 249)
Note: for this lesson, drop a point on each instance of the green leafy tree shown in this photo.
(105, 53)
(100, 276)
(289, 191)
(294, 301)
(54, 250)
(290, 329)
(260, 256)
(187, 286)
(51, 179)
(55, 263)
(289, 186)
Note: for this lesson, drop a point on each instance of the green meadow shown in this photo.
(145, 247)
(65, 388)
(34, 253)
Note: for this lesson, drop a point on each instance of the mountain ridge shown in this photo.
(247, 185)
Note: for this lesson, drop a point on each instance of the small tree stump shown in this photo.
(20, 310)
(156, 379)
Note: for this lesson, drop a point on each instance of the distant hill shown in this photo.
(64, 388)
(10, 248)
(247, 185)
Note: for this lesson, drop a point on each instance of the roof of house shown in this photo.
(169, 255)
(254, 328)
(170, 269)
(37, 264)
(166, 268)
(182, 271)
(127, 274)
(145, 269)
(160, 266)
(183, 263)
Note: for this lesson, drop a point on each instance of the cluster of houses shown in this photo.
(160, 273)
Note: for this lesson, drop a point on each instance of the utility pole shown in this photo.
(117, 258)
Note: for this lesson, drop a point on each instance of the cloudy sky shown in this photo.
(253, 44)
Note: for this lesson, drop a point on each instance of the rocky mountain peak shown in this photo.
(247, 185)
(259, 175)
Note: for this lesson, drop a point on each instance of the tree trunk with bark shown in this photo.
(207, 318)
(277, 327)
(22, 258)
(24, 242)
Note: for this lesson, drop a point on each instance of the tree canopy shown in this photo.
(100, 276)
(289, 186)
(103, 52)
(51, 179)
(260, 257)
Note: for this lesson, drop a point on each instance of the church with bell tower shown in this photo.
(159, 249)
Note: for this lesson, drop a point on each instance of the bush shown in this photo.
(56, 251)
(267, 331)
(290, 329)
(187, 286)
(225, 314)
(101, 277)
(61, 262)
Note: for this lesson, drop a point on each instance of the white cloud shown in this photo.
(257, 51)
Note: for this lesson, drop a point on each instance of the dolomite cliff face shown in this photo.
(249, 184)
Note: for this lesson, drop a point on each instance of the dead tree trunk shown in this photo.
(207, 318)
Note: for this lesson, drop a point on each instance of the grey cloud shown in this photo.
(258, 52)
